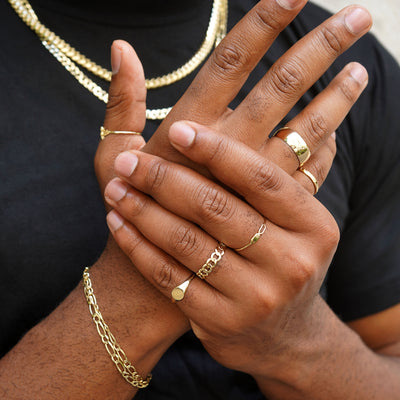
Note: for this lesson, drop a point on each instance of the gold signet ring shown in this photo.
(178, 293)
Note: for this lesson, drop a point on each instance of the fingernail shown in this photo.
(288, 4)
(357, 20)
(334, 135)
(116, 56)
(125, 163)
(181, 134)
(115, 190)
(114, 221)
(359, 73)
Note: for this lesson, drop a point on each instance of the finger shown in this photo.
(318, 166)
(193, 197)
(235, 57)
(126, 107)
(179, 238)
(294, 73)
(226, 70)
(264, 185)
(321, 117)
(160, 269)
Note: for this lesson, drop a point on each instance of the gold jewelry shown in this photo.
(255, 238)
(118, 357)
(68, 56)
(105, 132)
(312, 178)
(296, 143)
(178, 293)
(212, 262)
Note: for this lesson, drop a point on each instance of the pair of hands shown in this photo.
(259, 304)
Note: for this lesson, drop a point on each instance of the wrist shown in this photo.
(322, 340)
(144, 323)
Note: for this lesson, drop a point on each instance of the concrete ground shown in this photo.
(386, 15)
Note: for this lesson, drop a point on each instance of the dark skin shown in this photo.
(62, 359)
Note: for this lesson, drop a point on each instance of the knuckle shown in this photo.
(218, 149)
(229, 58)
(268, 21)
(330, 234)
(319, 126)
(137, 204)
(213, 205)
(163, 274)
(184, 241)
(330, 38)
(320, 169)
(156, 175)
(287, 79)
(118, 103)
(348, 90)
(303, 272)
(265, 178)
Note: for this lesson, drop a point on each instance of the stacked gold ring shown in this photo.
(295, 142)
(312, 178)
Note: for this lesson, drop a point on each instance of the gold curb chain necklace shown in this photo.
(70, 58)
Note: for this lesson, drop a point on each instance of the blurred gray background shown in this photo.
(386, 15)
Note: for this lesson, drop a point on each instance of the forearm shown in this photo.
(63, 356)
(333, 363)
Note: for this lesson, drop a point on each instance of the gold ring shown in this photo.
(312, 178)
(212, 262)
(105, 132)
(296, 143)
(178, 293)
(255, 238)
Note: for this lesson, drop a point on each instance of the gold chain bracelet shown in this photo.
(118, 356)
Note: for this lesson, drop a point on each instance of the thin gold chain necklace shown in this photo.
(69, 57)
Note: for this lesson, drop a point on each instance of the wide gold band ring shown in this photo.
(105, 132)
(255, 238)
(312, 178)
(178, 292)
(296, 143)
(212, 262)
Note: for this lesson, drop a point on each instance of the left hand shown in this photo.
(257, 305)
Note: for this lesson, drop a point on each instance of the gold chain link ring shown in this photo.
(212, 262)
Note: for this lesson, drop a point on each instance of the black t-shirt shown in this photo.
(51, 210)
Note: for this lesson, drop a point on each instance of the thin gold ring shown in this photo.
(105, 132)
(212, 262)
(312, 179)
(296, 143)
(178, 292)
(255, 238)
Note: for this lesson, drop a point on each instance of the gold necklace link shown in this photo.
(94, 88)
(70, 57)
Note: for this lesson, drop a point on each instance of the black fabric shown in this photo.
(51, 211)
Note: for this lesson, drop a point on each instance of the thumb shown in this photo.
(126, 110)
(126, 107)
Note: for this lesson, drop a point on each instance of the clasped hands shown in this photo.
(196, 184)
